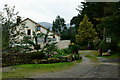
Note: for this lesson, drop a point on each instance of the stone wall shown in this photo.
(63, 44)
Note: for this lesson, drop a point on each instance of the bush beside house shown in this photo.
(40, 57)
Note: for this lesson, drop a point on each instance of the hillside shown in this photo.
(49, 25)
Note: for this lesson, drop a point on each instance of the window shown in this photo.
(53, 36)
(26, 26)
(29, 32)
(38, 28)
(53, 39)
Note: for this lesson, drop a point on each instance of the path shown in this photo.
(89, 68)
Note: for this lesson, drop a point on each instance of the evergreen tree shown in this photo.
(58, 25)
(86, 32)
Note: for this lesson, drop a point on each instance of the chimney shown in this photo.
(18, 19)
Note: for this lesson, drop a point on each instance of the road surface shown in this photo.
(90, 67)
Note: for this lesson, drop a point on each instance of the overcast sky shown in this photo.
(44, 10)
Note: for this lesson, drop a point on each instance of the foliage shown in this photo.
(7, 20)
(60, 53)
(69, 34)
(21, 58)
(13, 58)
(67, 54)
(110, 25)
(49, 49)
(76, 21)
(37, 55)
(74, 48)
(59, 25)
(35, 37)
(15, 49)
(63, 51)
(105, 46)
(118, 45)
(65, 35)
(95, 10)
(10, 31)
(86, 32)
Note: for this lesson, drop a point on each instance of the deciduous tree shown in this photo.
(10, 31)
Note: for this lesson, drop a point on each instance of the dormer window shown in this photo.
(38, 28)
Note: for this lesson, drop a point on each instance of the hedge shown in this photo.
(10, 59)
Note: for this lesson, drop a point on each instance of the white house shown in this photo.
(31, 26)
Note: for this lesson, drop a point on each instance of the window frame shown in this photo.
(29, 33)
(38, 28)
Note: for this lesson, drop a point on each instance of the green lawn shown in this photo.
(22, 71)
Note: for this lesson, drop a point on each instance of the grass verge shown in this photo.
(28, 70)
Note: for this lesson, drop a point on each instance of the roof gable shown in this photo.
(38, 25)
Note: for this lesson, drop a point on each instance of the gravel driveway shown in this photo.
(86, 69)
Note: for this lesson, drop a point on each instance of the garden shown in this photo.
(49, 54)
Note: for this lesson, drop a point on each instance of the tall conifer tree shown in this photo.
(86, 32)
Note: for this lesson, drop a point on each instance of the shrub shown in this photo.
(67, 51)
(49, 49)
(105, 46)
(62, 52)
(77, 56)
(16, 49)
(36, 47)
(9, 59)
(37, 55)
(74, 48)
